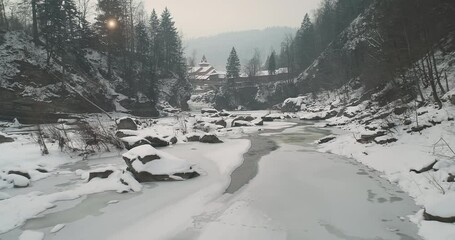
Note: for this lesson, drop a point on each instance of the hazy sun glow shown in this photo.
(111, 23)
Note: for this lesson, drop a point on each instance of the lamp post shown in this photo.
(111, 25)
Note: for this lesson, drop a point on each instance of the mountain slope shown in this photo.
(32, 91)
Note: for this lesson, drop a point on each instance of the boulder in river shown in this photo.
(267, 119)
(441, 209)
(384, 140)
(5, 139)
(224, 113)
(210, 138)
(99, 174)
(246, 118)
(193, 137)
(18, 181)
(221, 122)
(126, 123)
(368, 137)
(258, 122)
(209, 110)
(241, 123)
(22, 173)
(148, 164)
(134, 141)
(126, 133)
(157, 141)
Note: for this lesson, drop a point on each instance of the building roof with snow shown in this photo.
(204, 71)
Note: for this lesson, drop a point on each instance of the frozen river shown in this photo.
(299, 193)
(284, 189)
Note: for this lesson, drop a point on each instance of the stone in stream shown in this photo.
(126, 133)
(157, 141)
(247, 118)
(258, 122)
(134, 141)
(384, 140)
(209, 110)
(173, 140)
(369, 137)
(224, 113)
(148, 165)
(5, 139)
(451, 178)
(210, 138)
(221, 122)
(441, 209)
(267, 119)
(241, 123)
(126, 123)
(18, 181)
(193, 137)
(23, 174)
(103, 174)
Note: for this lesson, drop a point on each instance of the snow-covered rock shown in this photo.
(18, 181)
(442, 209)
(126, 123)
(5, 139)
(209, 110)
(134, 141)
(240, 123)
(148, 164)
(293, 104)
(210, 138)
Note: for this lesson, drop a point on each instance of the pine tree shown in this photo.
(109, 28)
(154, 50)
(59, 27)
(233, 65)
(272, 63)
(305, 44)
(169, 43)
(142, 41)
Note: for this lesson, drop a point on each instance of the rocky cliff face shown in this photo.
(32, 91)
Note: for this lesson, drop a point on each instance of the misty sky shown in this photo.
(196, 18)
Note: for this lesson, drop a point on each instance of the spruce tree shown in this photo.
(154, 50)
(233, 65)
(169, 43)
(305, 44)
(272, 63)
(110, 36)
(59, 27)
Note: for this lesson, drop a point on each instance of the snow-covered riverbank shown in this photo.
(411, 145)
(62, 195)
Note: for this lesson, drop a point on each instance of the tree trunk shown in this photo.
(35, 23)
(433, 83)
(437, 75)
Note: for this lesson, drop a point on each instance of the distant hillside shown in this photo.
(216, 48)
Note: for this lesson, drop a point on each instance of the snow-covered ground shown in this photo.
(63, 196)
(411, 151)
(297, 193)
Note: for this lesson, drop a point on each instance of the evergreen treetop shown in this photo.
(233, 65)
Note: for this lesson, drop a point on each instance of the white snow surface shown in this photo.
(31, 235)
